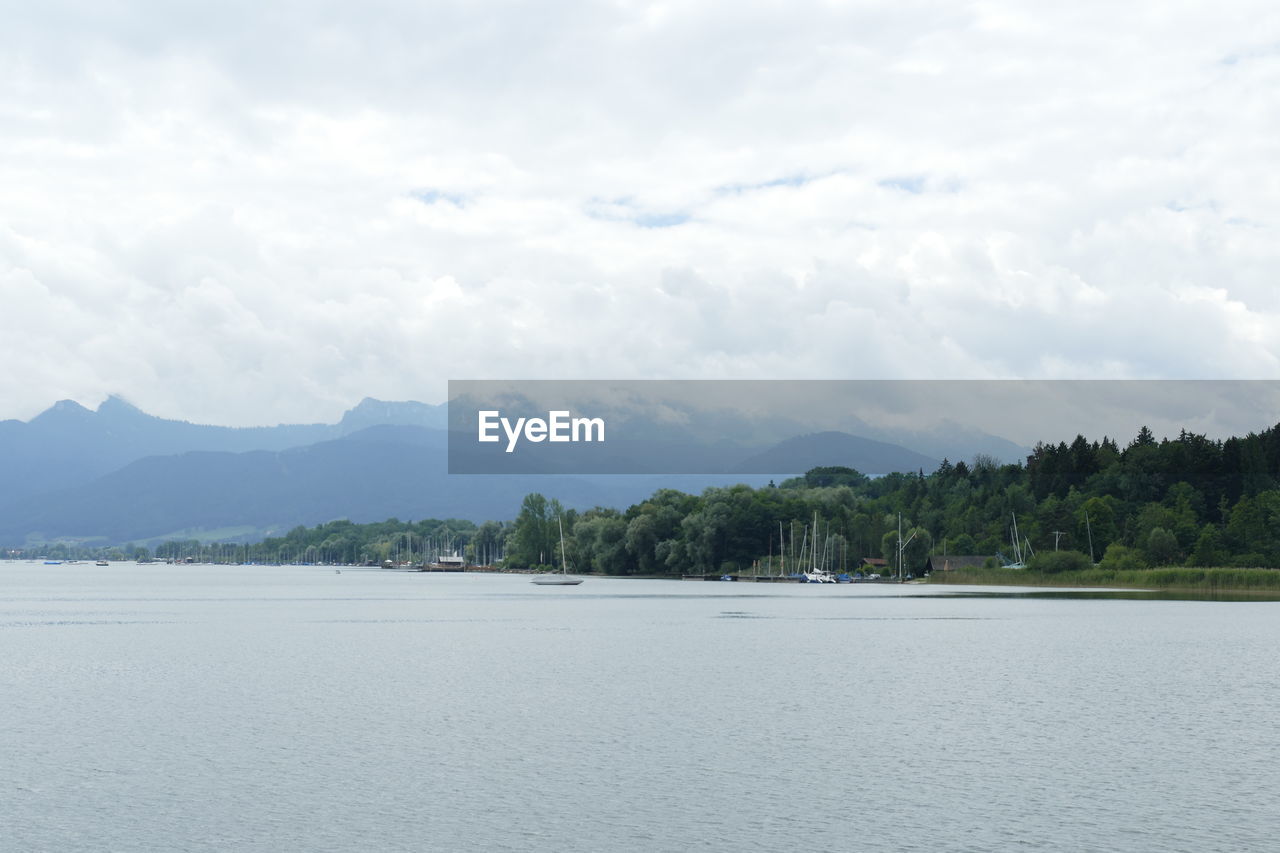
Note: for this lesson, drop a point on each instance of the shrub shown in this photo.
(1052, 562)
(1120, 558)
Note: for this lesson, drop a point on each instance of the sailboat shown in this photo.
(1020, 554)
(561, 579)
(818, 573)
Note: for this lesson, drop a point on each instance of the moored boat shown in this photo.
(561, 578)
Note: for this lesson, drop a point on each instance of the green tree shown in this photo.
(1254, 528)
(1162, 547)
(1208, 550)
(487, 544)
(1096, 523)
(600, 540)
(535, 540)
(835, 475)
(645, 532)
(962, 544)
(916, 545)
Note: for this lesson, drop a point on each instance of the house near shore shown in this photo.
(878, 565)
(953, 562)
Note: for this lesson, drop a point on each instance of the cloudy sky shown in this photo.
(255, 212)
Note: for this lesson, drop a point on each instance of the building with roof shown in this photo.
(954, 562)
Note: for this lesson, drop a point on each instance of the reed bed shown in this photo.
(1173, 577)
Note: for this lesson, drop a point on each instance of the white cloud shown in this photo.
(262, 212)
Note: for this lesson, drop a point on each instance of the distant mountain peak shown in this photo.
(371, 412)
(61, 411)
(117, 405)
(369, 404)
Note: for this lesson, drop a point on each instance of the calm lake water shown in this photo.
(212, 708)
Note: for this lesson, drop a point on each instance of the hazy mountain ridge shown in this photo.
(374, 474)
(69, 445)
(118, 474)
(838, 448)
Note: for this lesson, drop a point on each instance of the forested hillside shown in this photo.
(1188, 501)
(1184, 501)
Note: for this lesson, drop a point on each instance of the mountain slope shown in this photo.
(69, 445)
(118, 474)
(370, 475)
(837, 448)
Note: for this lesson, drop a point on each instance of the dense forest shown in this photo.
(1186, 501)
(1190, 501)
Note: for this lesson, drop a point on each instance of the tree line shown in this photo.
(339, 542)
(1185, 501)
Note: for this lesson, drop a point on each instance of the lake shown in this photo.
(213, 708)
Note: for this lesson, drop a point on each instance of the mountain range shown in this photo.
(117, 474)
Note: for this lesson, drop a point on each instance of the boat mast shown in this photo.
(782, 552)
(1089, 530)
(562, 561)
(814, 558)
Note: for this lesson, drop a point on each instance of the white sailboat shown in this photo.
(818, 573)
(1020, 553)
(561, 579)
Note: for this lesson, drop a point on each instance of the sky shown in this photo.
(262, 212)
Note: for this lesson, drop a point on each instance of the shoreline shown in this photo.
(1258, 583)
